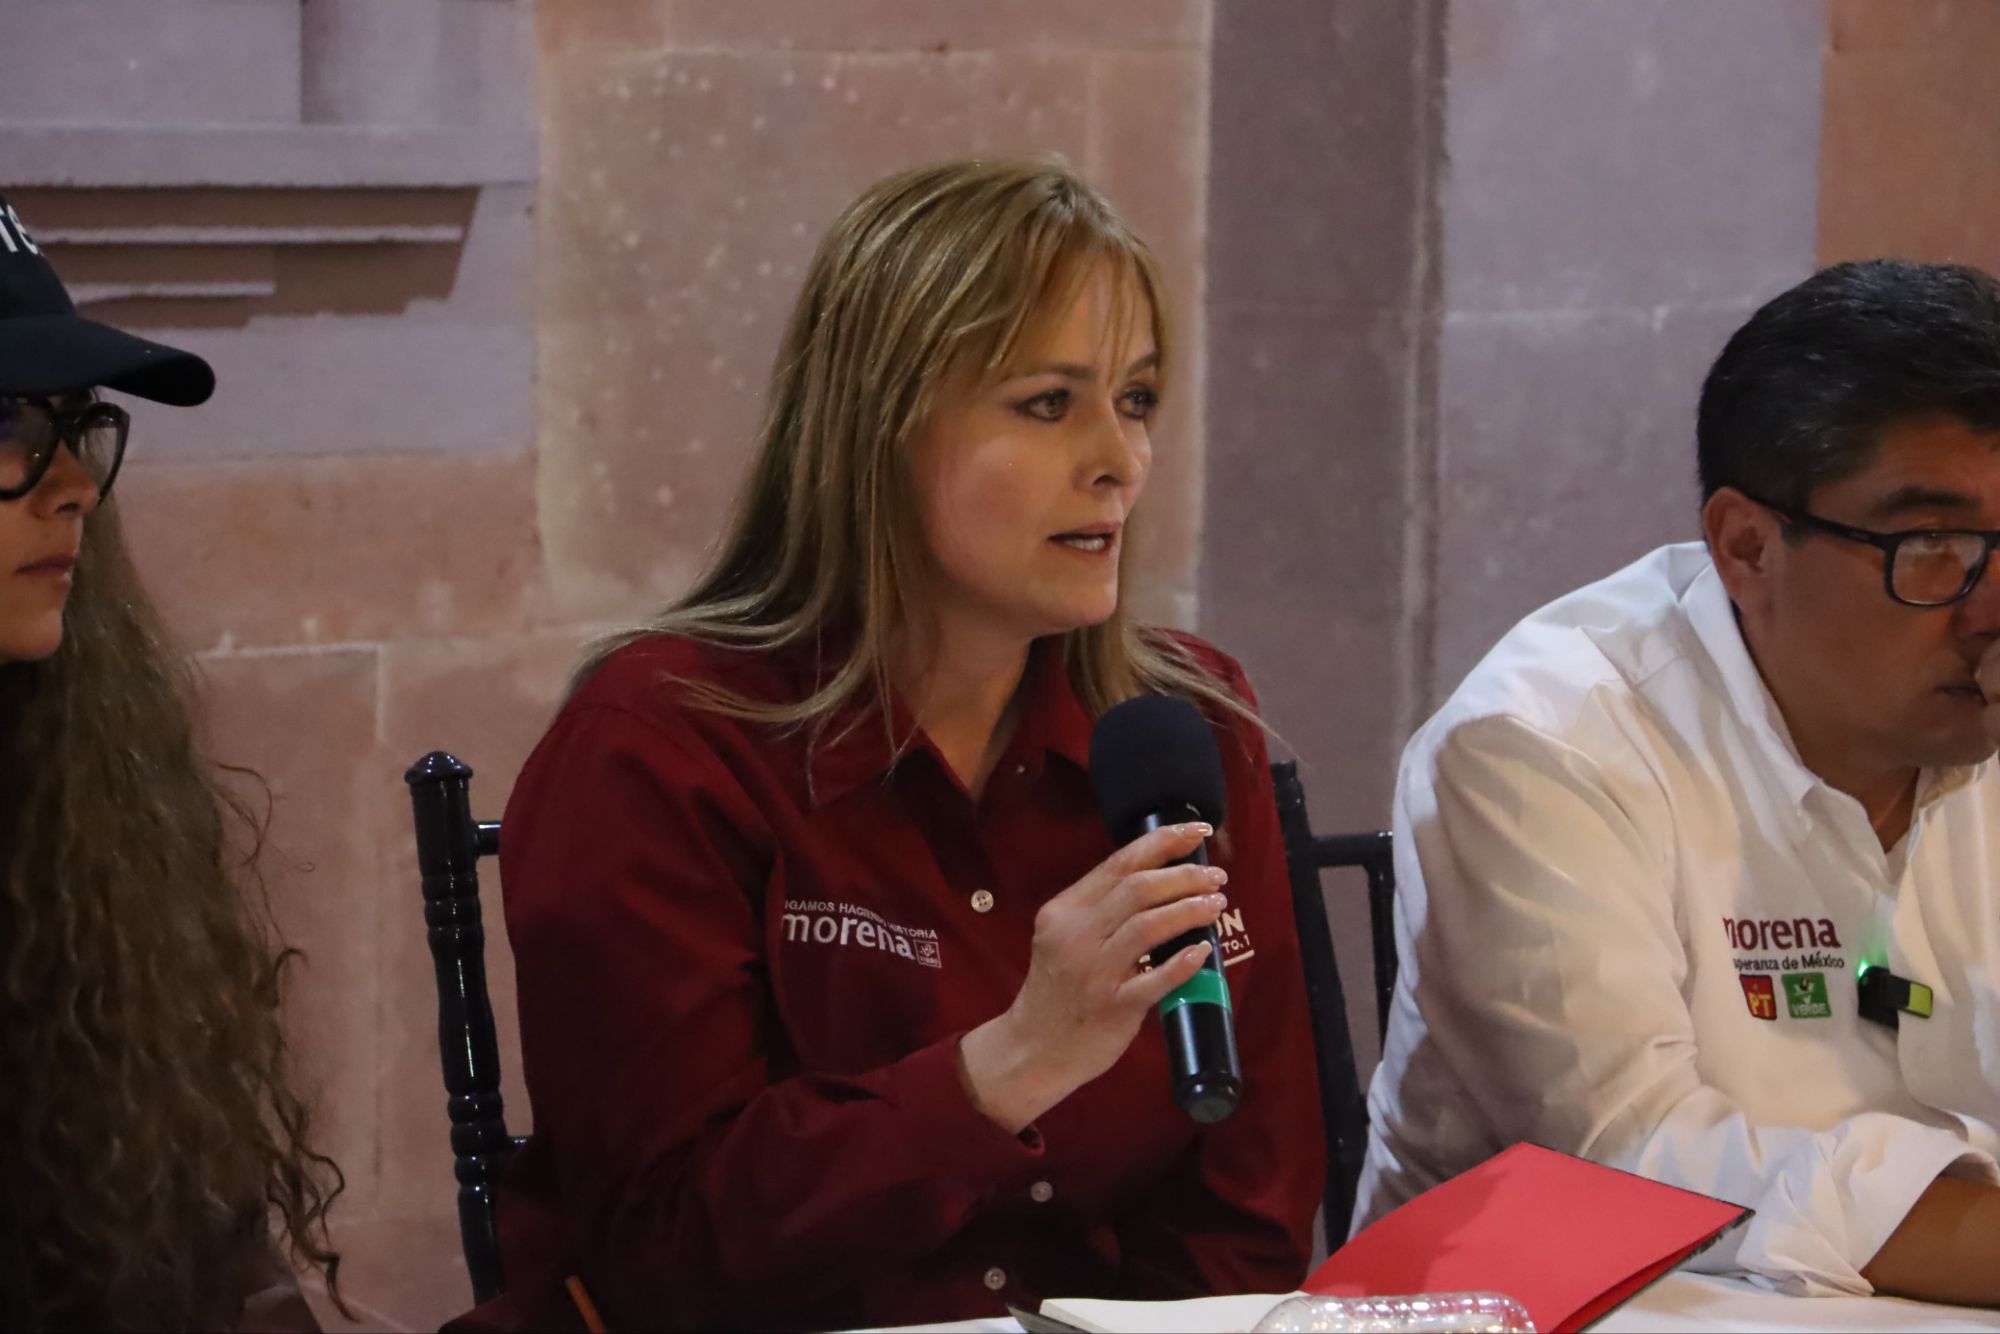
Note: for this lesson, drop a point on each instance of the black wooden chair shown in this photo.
(1342, 1099)
(449, 845)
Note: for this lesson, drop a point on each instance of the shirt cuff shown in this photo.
(1816, 1229)
(950, 1132)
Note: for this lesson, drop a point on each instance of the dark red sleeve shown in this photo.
(1236, 1213)
(701, 1178)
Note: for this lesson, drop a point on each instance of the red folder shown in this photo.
(1567, 1239)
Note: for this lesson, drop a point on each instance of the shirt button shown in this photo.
(1020, 769)
(1041, 1192)
(996, 1278)
(982, 901)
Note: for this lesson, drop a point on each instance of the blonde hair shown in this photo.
(933, 279)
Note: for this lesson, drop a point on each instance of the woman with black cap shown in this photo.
(152, 1145)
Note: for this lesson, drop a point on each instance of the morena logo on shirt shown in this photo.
(1768, 933)
(825, 922)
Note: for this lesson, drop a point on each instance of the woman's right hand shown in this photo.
(1086, 991)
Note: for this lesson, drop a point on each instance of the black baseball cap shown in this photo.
(47, 348)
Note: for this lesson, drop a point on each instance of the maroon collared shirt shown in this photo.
(741, 993)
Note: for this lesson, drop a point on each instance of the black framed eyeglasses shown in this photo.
(32, 430)
(1921, 567)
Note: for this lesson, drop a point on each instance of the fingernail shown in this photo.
(1217, 901)
(1194, 830)
(1217, 876)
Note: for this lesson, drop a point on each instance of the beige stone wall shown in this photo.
(693, 152)
(380, 539)
(1907, 161)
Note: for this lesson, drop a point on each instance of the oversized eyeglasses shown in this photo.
(34, 430)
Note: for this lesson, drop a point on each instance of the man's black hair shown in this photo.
(1802, 392)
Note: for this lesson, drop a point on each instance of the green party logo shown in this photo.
(1805, 996)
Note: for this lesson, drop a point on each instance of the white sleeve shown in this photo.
(1551, 977)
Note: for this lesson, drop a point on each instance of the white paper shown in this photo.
(1197, 1315)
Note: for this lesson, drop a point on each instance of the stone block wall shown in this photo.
(1621, 186)
(334, 203)
(694, 152)
(1912, 113)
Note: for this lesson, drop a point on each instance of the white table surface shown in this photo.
(1677, 1302)
(1698, 1301)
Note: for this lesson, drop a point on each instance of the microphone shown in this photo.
(1153, 762)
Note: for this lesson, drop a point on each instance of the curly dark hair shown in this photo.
(151, 1141)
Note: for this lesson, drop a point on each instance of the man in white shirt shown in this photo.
(1700, 867)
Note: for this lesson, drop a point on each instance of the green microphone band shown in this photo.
(1206, 987)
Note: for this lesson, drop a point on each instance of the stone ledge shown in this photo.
(441, 234)
(178, 246)
(299, 156)
(97, 294)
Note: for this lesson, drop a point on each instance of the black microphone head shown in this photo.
(1154, 755)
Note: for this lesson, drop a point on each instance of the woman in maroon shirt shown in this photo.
(834, 1001)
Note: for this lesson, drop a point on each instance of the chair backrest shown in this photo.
(1374, 852)
(1342, 1101)
(449, 846)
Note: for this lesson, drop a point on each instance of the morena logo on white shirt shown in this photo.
(1781, 933)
